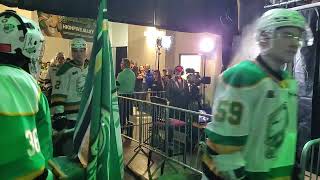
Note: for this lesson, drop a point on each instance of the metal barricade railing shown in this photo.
(173, 133)
(145, 95)
(310, 160)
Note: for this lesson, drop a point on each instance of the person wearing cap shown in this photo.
(177, 92)
(68, 88)
(253, 131)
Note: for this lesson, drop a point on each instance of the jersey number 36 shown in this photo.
(32, 136)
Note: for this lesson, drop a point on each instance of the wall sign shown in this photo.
(66, 27)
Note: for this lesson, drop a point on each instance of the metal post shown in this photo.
(204, 74)
(307, 6)
(282, 4)
(158, 56)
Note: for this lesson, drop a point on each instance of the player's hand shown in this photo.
(210, 164)
(59, 122)
(237, 174)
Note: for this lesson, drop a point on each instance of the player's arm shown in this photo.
(120, 79)
(58, 99)
(228, 131)
(44, 129)
(48, 80)
(223, 155)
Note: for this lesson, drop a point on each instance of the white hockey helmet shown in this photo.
(78, 43)
(22, 37)
(280, 17)
(18, 33)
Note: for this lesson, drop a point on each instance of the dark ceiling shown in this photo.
(213, 16)
(216, 16)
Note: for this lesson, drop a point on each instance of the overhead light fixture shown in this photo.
(156, 38)
(206, 45)
(166, 42)
(151, 31)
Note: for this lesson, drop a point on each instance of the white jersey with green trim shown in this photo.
(68, 88)
(254, 110)
(51, 77)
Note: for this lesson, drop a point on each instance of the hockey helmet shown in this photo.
(22, 37)
(273, 19)
(78, 43)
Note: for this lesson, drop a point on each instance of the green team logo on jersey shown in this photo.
(277, 123)
(80, 84)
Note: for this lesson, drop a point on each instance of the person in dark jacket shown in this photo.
(157, 84)
(177, 89)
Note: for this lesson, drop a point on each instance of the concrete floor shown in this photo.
(137, 169)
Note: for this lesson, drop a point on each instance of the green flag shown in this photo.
(97, 137)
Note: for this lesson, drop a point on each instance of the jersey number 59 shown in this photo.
(230, 111)
(32, 136)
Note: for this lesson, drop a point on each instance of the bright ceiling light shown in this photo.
(206, 45)
(154, 36)
(151, 31)
(166, 42)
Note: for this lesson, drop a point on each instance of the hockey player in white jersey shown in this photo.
(253, 131)
(50, 78)
(69, 85)
(55, 64)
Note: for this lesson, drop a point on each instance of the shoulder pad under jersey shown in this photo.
(246, 73)
(64, 68)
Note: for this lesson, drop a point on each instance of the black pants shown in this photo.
(209, 174)
(60, 142)
(125, 110)
(43, 176)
